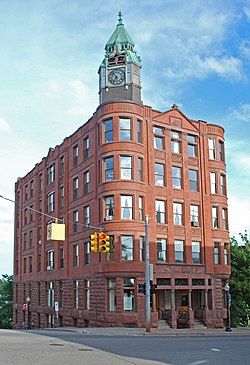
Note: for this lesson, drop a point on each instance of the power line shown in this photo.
(50, 216)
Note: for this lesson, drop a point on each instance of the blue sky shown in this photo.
(195, 54)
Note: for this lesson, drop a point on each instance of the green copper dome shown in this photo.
(120, 42)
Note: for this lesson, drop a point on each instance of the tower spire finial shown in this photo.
(119, 17)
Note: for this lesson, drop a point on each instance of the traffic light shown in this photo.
(94, 242)
(104, 242)
(142, 288)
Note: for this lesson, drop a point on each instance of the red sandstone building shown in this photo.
(127, 161)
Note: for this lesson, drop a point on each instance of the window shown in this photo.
(87, 294)
(176, 177)
(109, 168)
(159, 174)
(142, 249)
(75, 188)
(158, 138)
(226, 254)
(51, 202)
(25, 240)
(32, 188)
(224, 218)
(75, 255)
(196, 257)
(109, 207)
(25, 265)
(50, 260)
(111, 253)
(139, 139)
(194, 215)
(76, 293)
(193, 180)
(179, 251)
(216, 253)
(125, 129)
(75, 220)
(86, 182)
(129, 294)
(61, 165)
(215, 217)
(161, 250)
(175, 142)
(51, 174)
(160, 211)
(140, 208)
(26, 192)
(112, 295)
(40, 207)
(127, 244)
(30, 264)
(211, 148)
(31, 213)
(61, 258)
(86, 147)
(108, 130)
(221, 151)
(25, 216)
(40, 182)
(87, 253)
(61, 196)
(50, 294)
(223, 184)
(31, 239)
(192, 146)
(177, 209)
(87, 215)
(75, 155)
(126, 167)
(213, 182)
(39, 262)
(140, 169)
(126, 207)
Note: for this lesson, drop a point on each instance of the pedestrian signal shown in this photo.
(94, 242)
(104, 244)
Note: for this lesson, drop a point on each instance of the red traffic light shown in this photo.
(102, 236)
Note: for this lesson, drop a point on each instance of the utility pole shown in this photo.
(147, 277)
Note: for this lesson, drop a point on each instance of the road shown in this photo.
(69, 347)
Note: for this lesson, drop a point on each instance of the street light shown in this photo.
(228, 327)
(28, 310)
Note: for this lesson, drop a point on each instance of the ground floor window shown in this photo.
(129, 294)
(112, 294)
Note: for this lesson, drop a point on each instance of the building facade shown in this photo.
(126, 162)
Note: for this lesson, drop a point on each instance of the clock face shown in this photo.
(116, 77)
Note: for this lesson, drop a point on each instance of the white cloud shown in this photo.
(4, 126)
(247, 12)
(241, 113)
(239, 213)
(245, 48)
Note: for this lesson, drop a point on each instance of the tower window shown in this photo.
(125, 129)
(108, 130)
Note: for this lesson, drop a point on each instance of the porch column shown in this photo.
(206, 310)
(190, 310)
(173, 311)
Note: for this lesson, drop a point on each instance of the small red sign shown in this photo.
(25, 306)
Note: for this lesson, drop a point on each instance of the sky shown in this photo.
(194, 53)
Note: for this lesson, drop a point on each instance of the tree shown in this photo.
(6, 301)
(240, 280)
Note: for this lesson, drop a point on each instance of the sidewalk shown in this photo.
(117, 331)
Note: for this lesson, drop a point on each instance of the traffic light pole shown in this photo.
(147, 277)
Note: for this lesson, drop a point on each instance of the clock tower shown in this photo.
(119, 73)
